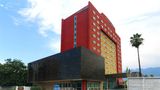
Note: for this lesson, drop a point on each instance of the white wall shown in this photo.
(143, 83)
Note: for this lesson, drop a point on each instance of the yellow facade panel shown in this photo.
(108, 51)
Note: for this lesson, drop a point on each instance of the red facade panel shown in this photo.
(67, 34)
(67, 37)
(82, 28)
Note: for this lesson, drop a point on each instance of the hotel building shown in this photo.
(90, 50)
(93, 30)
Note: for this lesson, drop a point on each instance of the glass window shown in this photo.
(111, 35)
(98, 27)
(93, 85)
(98, 44)
(73, 85)
(94, 18)
(105, 29)
(94, 12)
(98, 39)
(94, 42)
(94, 29)
(97, 21)
(75, 34)
(94, 24)
(102, 26)
(94, 35)
(75, 30)
(74, 44)
(97, 16)
(108, 28)
(98, 33)
(94, 48)
(102, 21)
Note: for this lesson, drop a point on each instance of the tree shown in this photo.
(128, 72)
(151, 75)
(13, 72)
(136, 41)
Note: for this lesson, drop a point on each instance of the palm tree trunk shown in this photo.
(140, 74)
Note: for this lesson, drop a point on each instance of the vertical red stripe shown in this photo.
(84, 85)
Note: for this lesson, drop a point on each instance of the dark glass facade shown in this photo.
(75, 64)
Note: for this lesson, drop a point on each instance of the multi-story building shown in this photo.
(90, 55)
(93, 30)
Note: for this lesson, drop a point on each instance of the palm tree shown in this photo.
(136, 41)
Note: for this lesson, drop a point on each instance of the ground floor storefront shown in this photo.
(77, 85)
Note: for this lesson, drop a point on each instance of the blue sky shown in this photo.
(18, 37)
(31, 29)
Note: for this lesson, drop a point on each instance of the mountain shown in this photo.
(148, 71)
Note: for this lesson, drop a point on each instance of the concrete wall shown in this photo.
(15, 88)
(143, 83)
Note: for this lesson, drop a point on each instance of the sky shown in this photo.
(31, 29)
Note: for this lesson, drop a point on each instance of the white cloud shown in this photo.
(1, 5)
(128, 17)
(46, 13)
(54, 45)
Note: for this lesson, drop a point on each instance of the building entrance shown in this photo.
(73, 85)
(76, 85)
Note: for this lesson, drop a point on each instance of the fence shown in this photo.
(143, 83)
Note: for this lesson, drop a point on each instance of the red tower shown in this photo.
(93, 30)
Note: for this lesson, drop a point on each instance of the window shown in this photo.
(94, 35)
(105, 29)
(94, 18)
(73, 85)
(98, 27)
(98, 44)
(75, 31)
(94, 29)
(75, 23)
(94, 48)
(94, 12)
(98, 33)
(108, 33)
(97, 21)
(75, 34)
(108, 28)
(74, 44)
(101, 21)
(105, 25)
(94, 24)
(93, 85)
(97, 16)
(94, 42)
(111, 35)
(75, 38)
(102, 26)
(98, 39)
